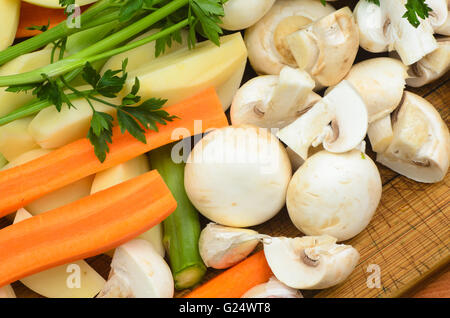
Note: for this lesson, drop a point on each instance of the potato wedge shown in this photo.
(9, 15)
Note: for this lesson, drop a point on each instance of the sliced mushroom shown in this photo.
(310, 262)
(241, 14)
(432, 66)
(238, 176)
(272, 289)
(380, 82)
(138, 271)
(272, 101)
(444, 28)
(222, 247)
(338, 121)
(334, 194)
(420, 149)
(266, 40)
(439, 13)
(382, 28)
(326, 48)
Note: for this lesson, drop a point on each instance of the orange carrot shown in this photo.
(25, 183)
(236, 281)
(85, 228)
(34, 15)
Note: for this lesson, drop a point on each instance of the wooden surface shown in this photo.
(408, 238)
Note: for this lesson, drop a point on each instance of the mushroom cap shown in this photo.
(439, 13)
(272, 289)
(238, 176)
(432, 66)
(138, 271)
(265, 40)
(380, 82)
(253, 95)
(241, 14)
(336, 38)
(334, 194)
(222, 247)
(371, 22)
(420, 149)
(332, 263)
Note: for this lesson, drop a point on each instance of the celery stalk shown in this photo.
(182, 227)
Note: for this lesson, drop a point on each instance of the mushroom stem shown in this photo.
(309, 258)
(380, 134)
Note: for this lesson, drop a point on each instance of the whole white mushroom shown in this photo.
(241, 14)
(238, 176)
(334, 194)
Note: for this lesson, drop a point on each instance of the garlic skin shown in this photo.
(222, 247)
(272, 289)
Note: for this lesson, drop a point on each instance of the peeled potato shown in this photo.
(54, 4)
(10, 101)
(184, 73)
(57, 282)
(143, 54)
(25, 157)
(52, 129)
(122, 173)
(9, 17)
(15, 139)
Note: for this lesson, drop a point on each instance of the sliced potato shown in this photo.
(7, 292)
(122, 173)
(143, 54)
(15, 139)
(52, 129)
(183, 73)
(10, 101)
(9, 17)
(62, 281)
(54, 4)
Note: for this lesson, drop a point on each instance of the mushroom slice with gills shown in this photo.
(266, 40)
(222, 246)
(310, 262)
(334, 194)
(326, 48)
(438, 15)
(432, 66)
(272, 101)
(272, 289)
(338, 121)
(138, 271)
(241, 14)
(420, 149)
(382, 28)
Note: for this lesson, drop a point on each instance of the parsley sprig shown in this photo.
(415, 9)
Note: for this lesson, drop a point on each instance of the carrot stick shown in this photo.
(85, 228)
(236, 281)
(25, 183)
(34, 15)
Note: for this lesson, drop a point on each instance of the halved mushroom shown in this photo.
(327, 48)
(420, 149)
(334, 194)
(272, 101)
(382, 28)
(439, 13)
(138, 271)
(432, 66)
(338, 121)
(238, 176)
(444, 28)
(222, 247)
(241, 14)
(272, 289)
(380, 133)
(266, 40)
(310, 262)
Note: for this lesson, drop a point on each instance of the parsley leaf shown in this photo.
(100, 133)
(416, 9)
